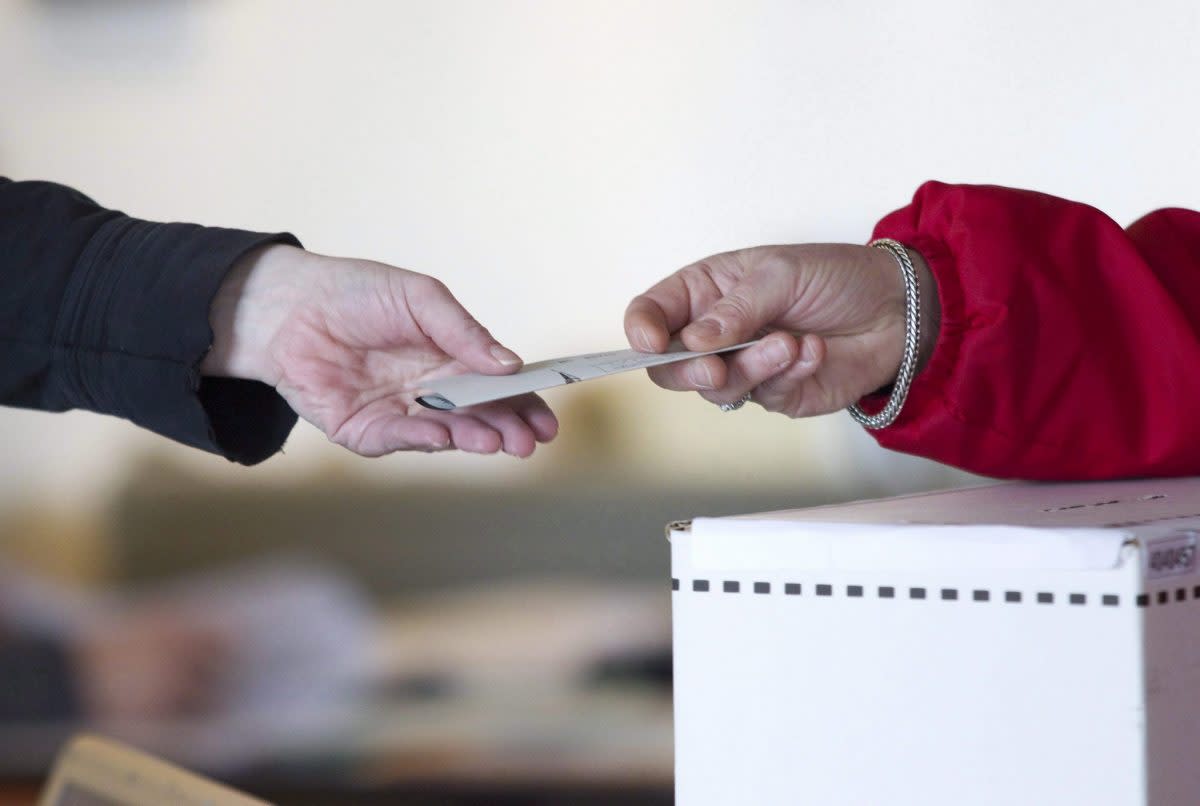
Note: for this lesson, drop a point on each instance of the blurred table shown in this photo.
(609, 744)
(601, 743)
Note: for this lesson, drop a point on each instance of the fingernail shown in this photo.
(642, 339)
(505, 356)
(808, 352)
(707, 328)
(777, 353)
(701, 376)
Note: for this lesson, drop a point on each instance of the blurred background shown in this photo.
(456, 629)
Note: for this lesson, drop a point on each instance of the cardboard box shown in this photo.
(1011, 644)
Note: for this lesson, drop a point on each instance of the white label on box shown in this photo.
(1173, 555)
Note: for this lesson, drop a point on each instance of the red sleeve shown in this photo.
(1069, 347)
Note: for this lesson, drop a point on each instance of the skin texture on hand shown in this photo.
(831, 317)
(350, 343)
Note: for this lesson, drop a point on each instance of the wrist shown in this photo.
(910, 337)
(890, 322)
(250, 305)
(931, 309)
(894, 314)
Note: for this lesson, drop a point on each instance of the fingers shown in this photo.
(433, 431)
(648, 325)
(392, 430)
(534, 411)
(796, 393)
(485, 429)
(652, 317)
(705, 373)
(730, 376)
(472, 434)
(755, 365)
(452, 328)
(752, 305)
(779, 362)
(514, 426)
(494, 427)
(723, 300)
(516, 436)
(778, 372)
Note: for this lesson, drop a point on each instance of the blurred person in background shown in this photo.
(144, 665)
(1053, 343)
(203, 648)
(219, 338)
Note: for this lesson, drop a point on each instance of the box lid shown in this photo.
(996, 527)
(1090, 504)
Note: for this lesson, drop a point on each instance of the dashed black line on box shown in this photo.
(982, 595)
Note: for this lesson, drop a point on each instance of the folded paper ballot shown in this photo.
(458, 391)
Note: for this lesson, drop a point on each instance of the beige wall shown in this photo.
(549, 159)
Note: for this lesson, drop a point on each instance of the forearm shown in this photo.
(108, 313)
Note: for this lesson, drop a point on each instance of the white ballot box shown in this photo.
(1010, 644)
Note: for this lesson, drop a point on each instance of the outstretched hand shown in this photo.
(351, 343)
(831, 318)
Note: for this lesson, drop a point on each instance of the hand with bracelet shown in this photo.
(832, 318)
(1054, 343)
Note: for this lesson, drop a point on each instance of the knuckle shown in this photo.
(771, 404)
(758, 367)
(424, 287)
(772, 396)
(436, 286)
(472, 330)
(735, 306)
(345, 438)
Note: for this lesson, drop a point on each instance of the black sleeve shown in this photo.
(104, 312)
(38, 682)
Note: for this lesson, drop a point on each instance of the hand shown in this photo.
(350, 343)
(832, 318)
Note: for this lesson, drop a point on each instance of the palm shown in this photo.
(343, 379)
(356, 352)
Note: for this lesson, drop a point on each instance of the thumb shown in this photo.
(452, 328)
(745, 311)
